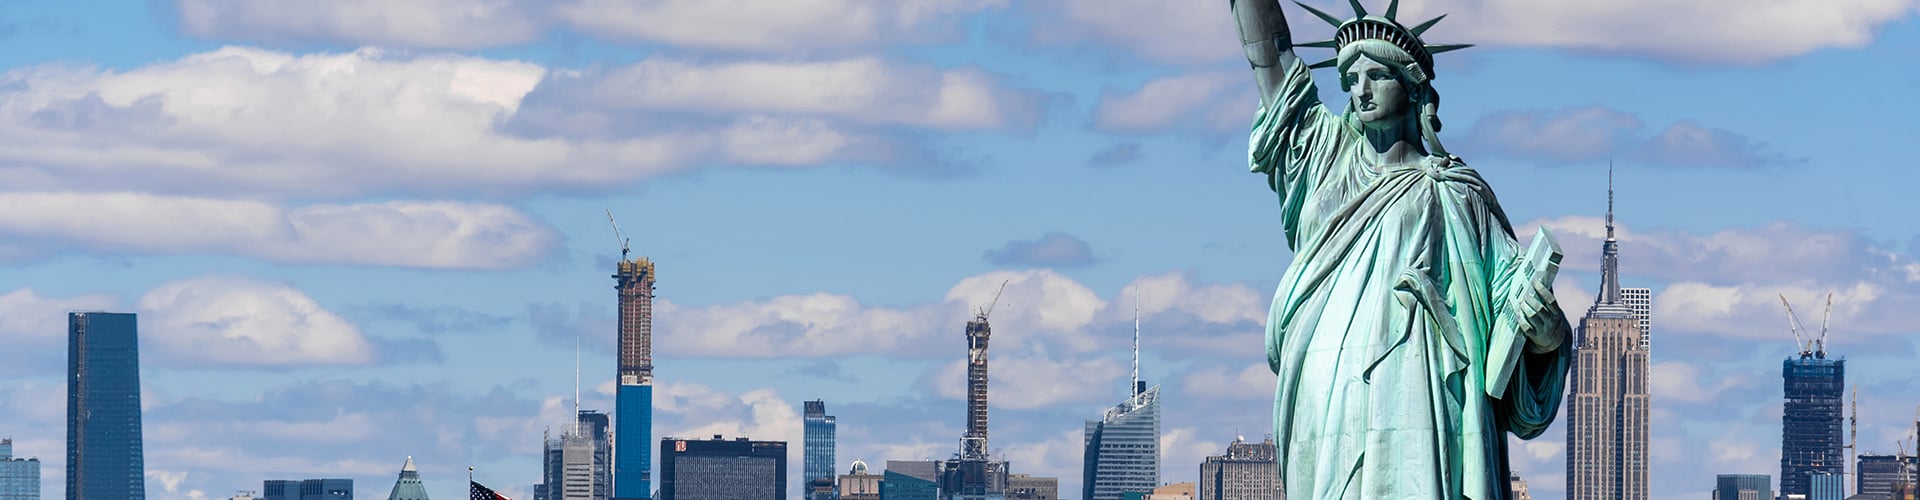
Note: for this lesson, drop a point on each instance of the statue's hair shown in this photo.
(1419, 88)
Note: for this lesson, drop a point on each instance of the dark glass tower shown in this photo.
(1810, 422)
(104, 458)
(817, 463)
(719, 469)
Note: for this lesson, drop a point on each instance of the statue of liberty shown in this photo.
(1412, 331)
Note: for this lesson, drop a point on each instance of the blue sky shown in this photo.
(361, 230)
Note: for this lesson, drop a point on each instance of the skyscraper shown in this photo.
(104, 453)
(633, 405)
(719, 469)
(307, 489)
(408, 486)
(1743, 487)
(972, 474)
(19, 477)
(1518, 487)
(817, 462)
(575, 463)
(1810, 437)
(1031, 487)
(1607, 400)
(1248, 471)
(1122, 448)
(859, 483)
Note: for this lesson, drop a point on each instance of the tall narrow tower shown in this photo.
(104, 451)
(973, 445)
(1607, 399)
(633, 398)
(1121, 450)
(1811, 418)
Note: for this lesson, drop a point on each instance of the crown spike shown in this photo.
(1322, 15)
(1392, 9)
(1358, 10)
(1324, 64)
(1422, 28)
(1322, 44)
(1435, 49)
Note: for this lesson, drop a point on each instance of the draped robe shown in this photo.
(1380, 330)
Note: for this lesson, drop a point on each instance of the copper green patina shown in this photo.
(1412, 331)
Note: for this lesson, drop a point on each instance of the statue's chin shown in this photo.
(1374, 120)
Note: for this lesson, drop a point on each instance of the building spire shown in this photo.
(1133, 389)
(1610, 253)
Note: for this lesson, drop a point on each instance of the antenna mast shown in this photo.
(1134, 389)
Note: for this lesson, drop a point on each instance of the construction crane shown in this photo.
(988, 311)
(623, 238)
(1807, 344)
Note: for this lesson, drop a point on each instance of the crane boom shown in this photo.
(1793, 325)
(1823, 325)
(623, 238)
(984, 313)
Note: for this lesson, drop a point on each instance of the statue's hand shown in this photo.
(1530, 298)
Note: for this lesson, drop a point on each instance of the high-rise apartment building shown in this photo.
(1743, 487)
(307, 489)
(1607, 400)
(633, 398)
(972, 474)
(1248, 471)
(719, 469)
(19, 477)
(1810, 421)
(817, 452)
(105, 460)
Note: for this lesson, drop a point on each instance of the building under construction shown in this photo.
(1812, 417)
(973, 474)
(633, 398)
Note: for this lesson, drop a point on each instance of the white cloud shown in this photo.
(1217, 382)
(1011, 380)
(26, 314)
(785, 27)
(1592, 134)
(1732, 32)
(240, 322)
(462, 24)
(1210, 101)
(399, 233)
(259, 123)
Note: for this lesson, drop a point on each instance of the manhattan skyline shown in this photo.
(392, 234)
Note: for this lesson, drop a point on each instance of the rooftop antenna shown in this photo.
(1804, 345)
(1609, 198)
(617, 235)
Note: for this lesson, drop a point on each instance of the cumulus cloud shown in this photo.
(1055, 249)
(460, 24)
(259, 123)
(400, 233)
(240, 322)
(1742, 33)
(1598, 133)
(785, 27)
(35, 326)
(1215, 101)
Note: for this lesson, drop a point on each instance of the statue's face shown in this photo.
(1379, 97)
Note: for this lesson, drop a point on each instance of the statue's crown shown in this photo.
(1384, 28)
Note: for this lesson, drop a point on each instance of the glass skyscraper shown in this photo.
(104, 455)
(19, 477)
(719, 469)
(1810, 437)
(1743, 487)
(1123, 448)
(818, 459)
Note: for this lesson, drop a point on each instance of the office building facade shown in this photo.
(19, 477)
(1031, 487)
(720, 469)
(817, 451)
(897, 485)
(1247, 471)
(859, 483)
(1879, 476)
(105, 458)
(307, 489)
(576, 463)
(1122, 448)
(1743, 487)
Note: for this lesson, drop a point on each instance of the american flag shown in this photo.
(485, 493)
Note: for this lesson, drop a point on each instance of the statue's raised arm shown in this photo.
(1269, 44)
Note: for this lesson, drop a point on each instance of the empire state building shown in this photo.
(1607, 400)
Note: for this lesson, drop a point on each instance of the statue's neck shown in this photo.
(1400, 143)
